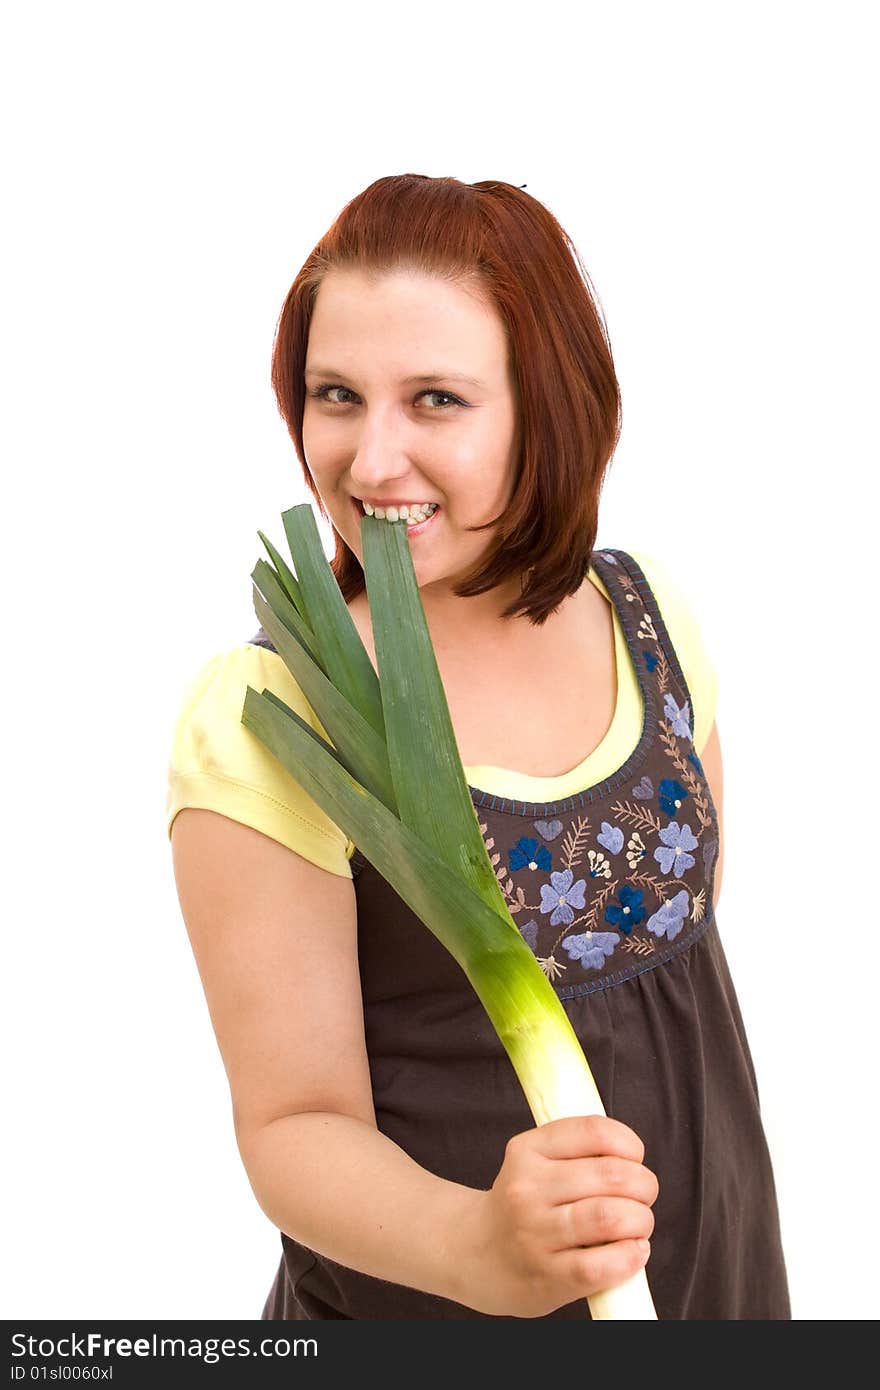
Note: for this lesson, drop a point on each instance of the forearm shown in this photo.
(339, 1186)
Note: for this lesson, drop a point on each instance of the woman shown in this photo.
(441, 351)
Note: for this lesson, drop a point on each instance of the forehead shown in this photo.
(423, 322)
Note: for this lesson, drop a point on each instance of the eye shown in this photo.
(446, 395)
(322, 393)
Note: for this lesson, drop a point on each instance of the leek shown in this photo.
(370, 779)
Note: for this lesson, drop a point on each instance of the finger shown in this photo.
(584, 1272)
(605, 1176)
(583, 1136)
(598, 1221)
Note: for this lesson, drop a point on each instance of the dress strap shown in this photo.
(647, 636)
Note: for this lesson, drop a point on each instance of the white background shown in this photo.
(167, 168)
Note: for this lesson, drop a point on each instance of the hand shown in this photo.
(569, 1214)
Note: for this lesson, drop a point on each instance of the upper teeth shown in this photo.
(420, 511)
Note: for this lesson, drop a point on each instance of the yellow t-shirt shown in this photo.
(219, 765)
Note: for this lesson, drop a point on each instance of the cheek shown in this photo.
(487, 482)
(320, 460)
(314, 446)
(317, 438)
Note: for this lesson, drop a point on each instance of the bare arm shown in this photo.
(275, 941)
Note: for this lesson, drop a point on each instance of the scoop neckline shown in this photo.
(545, 793)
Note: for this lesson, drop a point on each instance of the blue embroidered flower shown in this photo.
(692, 758)
(678, 839)
(678, 716)
(591, 948)
(650, 660)
(611, 837)
(629, 913)
(562, 896)
(668, 920)
(528, 854)
(529, 932)
(670, 795)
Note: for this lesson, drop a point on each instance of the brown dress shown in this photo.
(612, 889)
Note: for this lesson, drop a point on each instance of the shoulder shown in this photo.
(216, 692)
(217, 763)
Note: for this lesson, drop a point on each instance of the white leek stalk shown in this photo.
(388, 734)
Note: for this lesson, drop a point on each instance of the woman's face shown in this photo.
(410, 399)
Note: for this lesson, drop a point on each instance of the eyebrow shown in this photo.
(407, 380)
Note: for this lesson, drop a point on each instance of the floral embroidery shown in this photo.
(678, 716)
(611, 837)
(527, 854)
(674, 857)
(628, 911)
(669, 920)
(636, 849)
(548, 829)
(591, 948)
(599, 866)
(551, 967)
(530, 933)
(670, 795)
(616, 893)
(639, 945)
(559, 895)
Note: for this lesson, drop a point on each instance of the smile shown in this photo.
(413, 528)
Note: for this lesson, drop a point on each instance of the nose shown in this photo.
(379, 461)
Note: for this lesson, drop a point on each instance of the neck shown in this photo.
(476, 616)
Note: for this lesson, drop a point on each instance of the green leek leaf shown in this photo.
(418, 726)
(270, 586)
(342, 653)
(358, 747)
(288, 579)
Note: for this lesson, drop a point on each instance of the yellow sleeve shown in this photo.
(687, 639)
(219, 765)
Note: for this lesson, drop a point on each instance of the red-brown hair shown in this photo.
(494, 236)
